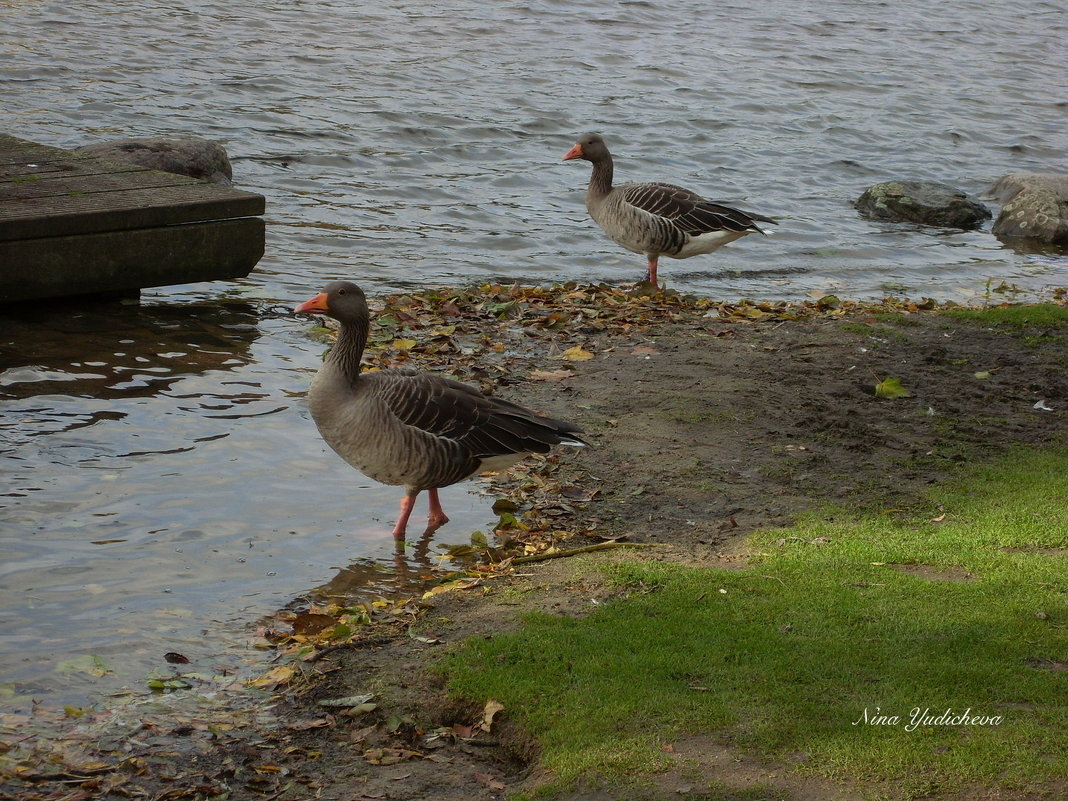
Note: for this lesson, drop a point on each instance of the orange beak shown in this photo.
(573, 153)
(316, 305)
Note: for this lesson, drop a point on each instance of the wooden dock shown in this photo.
(72, 224)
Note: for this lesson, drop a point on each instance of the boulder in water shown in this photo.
(183, 155)
(924, 202)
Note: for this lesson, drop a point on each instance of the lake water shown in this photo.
(163, 483)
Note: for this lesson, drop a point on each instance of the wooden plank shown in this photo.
(20, 151)
(147, 207)
(118, 261)
(19, 173)
(51, 192)
(59, 185)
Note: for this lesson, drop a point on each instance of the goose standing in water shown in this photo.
(657, 219)
(402, 426)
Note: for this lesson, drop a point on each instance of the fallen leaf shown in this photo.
(362, 709)
(389, 756)
(312, 623)
(490, 782)
(422, 639)
(551, 375)
(347, 701)
(164, 685)
(309, 723)
(459, 584)
(85, 663)
(575, 354)
(891, 388)
(280, 674)
(492, 708)
(404, 344)
(362, 734)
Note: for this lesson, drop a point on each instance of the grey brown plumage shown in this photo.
(406, 427)
(657, 219)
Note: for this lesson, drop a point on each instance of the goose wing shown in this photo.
(687, 211)
(449, 410)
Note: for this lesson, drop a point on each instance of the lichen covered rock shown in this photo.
(923, 202)
(1035, 207)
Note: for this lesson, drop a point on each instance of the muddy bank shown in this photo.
(706, 423)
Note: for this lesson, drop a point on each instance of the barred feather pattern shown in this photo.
(659, 218)
(422, 431)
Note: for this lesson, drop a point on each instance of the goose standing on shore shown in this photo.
(402, 426)
(657, 219)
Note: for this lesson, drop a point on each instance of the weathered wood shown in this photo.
(136, 207)
(101, 226)
(19, 173)
(105, 262)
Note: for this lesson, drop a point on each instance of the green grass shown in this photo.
(785, 657)
(1037, 315)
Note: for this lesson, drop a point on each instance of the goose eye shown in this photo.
(341, 291)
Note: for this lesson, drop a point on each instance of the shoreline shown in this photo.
(705, 428)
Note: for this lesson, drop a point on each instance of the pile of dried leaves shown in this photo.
(494, 335)
(482, 334)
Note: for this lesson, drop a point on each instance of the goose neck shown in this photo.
(601, 178)
(348, 350)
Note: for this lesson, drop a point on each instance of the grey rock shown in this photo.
(924, 202)
(1035, 207)
(183, 155)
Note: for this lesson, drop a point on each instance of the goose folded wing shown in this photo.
(662, 200)
(708, 216)
(688, 211)
(453, 411)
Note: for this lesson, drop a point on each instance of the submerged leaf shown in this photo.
(85, 663)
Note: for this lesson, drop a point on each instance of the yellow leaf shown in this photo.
(492, 708)
(575, 354)
(458, 584)
(404, 344)
(275, 676)
(891, 388)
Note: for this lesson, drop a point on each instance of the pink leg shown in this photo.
(653, 260)
(437, 516)
(407, 502)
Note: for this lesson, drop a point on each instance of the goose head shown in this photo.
(590, 147)
(342, 300)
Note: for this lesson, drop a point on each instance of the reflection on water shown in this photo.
(164, 487)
